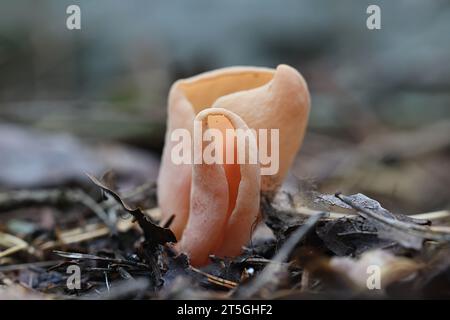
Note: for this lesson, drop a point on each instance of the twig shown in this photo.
(262, 261)
(89, 232)
(85, 199)
(65, 240)
(269, 272)
(83, 256)
(429, 233)
(216, 280)
(434, 215)
(13, 244)
(150, 186)
(106, 281)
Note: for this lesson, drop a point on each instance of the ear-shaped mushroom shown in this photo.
(215, 205)
(224, 198)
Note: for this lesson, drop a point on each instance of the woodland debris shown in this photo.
(269, 274)
(153, 233)
(406, 231)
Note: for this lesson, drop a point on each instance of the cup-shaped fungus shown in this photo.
(216, 200)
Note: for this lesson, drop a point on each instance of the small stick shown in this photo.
(429, 233)
(270, 271)
(216, 280)
(13, 243)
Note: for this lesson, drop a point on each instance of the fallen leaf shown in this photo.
(399, 228)
(350, 236)
(153, 233)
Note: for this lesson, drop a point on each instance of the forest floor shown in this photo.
(366, 227)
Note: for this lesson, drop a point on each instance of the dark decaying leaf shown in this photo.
(155, 237)
(330, 200)
(350, 236)
(398, 228)
(153, 233)
(364, 201)
(177, 266)
(280, 221)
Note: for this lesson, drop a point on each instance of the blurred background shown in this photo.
(95, 99)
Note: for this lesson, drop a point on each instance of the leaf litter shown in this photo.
(320, 248)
